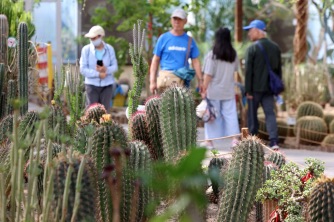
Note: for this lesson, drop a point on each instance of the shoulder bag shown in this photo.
(275, 82)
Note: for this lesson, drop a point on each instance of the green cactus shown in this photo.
(153, 126)
(140, 68)
(312, 129)
(82, 134)
(2, 96)
(243, 179)
(22, 55)
(328, 143)
(321, 202)
(276, 158)
(57, 118)
(331, 127)
(27, 125)
(177, 121)
(215, 167)
(309, 108)
(139, 161)
(11, 95)
(94, 112)
(6, 128)
(104, 138)
(3, 40)
(86, 211)
(328, 117)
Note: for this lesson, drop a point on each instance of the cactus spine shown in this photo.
(321, 205)
(135, 199)
(153, 127)
(140, 68)
(178, 122)
(244, 178)
(22, 55)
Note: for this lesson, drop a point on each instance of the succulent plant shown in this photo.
(321, 202)
(93, 113)
(28, 124)
(312, 129)
(153, 126)
(276, 158)
(243, 178)
(177, 121)
(57, 118)
(6, 128)
(11, 95)
(135, 197)
(82, 134)
(309, 108)
(215, 167)
(328, 117)
(328, 143)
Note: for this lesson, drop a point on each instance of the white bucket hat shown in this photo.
(95, 31)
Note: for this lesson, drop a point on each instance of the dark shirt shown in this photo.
(257, 76)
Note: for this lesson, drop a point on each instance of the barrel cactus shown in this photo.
(57, 118)
(139, 161)
(86, 211)
(82, 134)
(6, 128)
(94, 112)
(22, 55)
(331, 127)
(328, 117)
(328, 143)
(27, 125)
(244, 177)
(177, 121)
(312, 129)
(321, 202)
(309, 108)
(153, 126)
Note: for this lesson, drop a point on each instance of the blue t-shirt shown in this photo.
(172, 50)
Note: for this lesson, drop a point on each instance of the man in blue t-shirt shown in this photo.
(171, 50)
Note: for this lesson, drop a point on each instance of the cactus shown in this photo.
(276, 158)
(140, 68)
(215, 166)
(328, 119)
(312, 129)
(153, 126)
(86, 211)
(139, 161)
(243, 179)
(328, 143)
(3, 40)
(105, 137)
(2, 96)
(331, 127)
(22, 55)
(93, 113)
(57, 118)
(82, 134)
(309, 108)
(177, 121)
(11, 95)
(27, 124)
(321, 202)
(6, 128)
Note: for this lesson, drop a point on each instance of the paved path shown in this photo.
(297, 156)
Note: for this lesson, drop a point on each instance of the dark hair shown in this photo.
(222, 48)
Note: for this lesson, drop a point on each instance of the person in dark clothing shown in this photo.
(257, 80)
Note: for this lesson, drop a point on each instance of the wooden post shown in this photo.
(238, 21)
(244, 133)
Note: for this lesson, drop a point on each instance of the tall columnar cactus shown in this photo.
(104, 138)
(135, 199)
(215, 167)
(312, 129)
(57, 118)
(3, 39)
(28, 124)
(309, 108)
(243, 179)
(86, 208)
(2, 93)
(22, 55)
(321, 202)
(153, 126)
(82, 134)
(140, 67)
(11, 95)
(93, 113)
(178, 122)
(276, 158)
(6, 128)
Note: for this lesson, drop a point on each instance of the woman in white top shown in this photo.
(220, 64)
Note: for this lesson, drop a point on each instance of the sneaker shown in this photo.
(275, 147)
(206, 145)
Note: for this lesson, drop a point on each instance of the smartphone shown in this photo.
(99, 63)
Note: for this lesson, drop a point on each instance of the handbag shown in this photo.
(210, 112)
(178, 77)
(275, 82)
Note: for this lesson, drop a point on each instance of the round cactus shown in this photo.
(328, 143)
(276, 158)
(321, 203)
(309, 108)
(313, 129)
(328, 119)
(94, 112)
(331, 127)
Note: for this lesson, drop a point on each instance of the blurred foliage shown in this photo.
(14, 10)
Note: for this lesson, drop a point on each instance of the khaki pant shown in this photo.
(168, 78)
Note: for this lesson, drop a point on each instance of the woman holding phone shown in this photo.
(98, 64)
